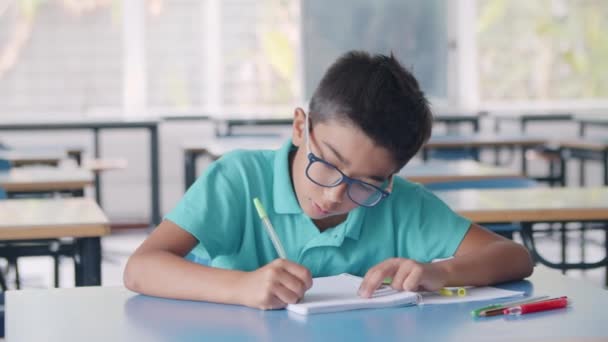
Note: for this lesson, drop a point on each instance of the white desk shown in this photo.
(115, 314)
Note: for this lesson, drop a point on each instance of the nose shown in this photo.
(336, 194)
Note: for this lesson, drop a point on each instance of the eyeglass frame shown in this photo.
(312, 158)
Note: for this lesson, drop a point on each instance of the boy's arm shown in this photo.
(484, 258)
(158, 268)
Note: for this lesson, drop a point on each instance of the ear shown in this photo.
(299, 127)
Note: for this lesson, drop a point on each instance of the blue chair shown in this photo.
(505, 230)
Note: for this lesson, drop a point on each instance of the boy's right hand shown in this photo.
(275, 285)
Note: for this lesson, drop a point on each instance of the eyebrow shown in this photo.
(347, 163)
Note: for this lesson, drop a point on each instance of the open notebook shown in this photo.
(339, 293)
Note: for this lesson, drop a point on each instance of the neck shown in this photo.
(329, 222)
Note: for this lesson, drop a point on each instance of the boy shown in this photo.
(335, 202)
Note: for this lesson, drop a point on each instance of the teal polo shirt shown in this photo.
(218, 211)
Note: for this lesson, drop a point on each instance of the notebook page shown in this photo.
(339, 293)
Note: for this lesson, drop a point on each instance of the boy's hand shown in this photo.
(407, 274)
(275, 285)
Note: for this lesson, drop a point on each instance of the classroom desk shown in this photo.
(80, 218)
(478, 141)
(224, 125)
(216, 148)
(459, 170)
(19, 158)
(587, 149)
(525, 118)
(45, 179)
(585, 121)
(116, 314)
(460, 118)
(95, 125)
(40, 155)
(534, 205)
(432, 171)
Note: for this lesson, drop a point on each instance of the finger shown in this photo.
(273, 304)
(374, 278)
(402, 272)
(293, 283)
(412, 281)
(284, 295)
(300, 272)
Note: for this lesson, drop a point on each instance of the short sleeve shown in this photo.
(207, 211)
(440, 230)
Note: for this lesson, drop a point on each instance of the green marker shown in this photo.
(269, 228)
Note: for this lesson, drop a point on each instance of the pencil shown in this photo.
(269, 228)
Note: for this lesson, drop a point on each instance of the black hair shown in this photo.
(378, 95)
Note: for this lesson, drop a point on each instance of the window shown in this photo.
(531, 51)
(414, 30)
(59, 56)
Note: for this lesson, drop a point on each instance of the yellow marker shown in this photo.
(444, 291)
(460, 291)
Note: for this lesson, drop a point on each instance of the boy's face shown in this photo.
(347, 148)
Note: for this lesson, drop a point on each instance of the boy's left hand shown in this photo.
(407, 274)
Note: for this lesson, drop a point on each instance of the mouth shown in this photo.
(318, 209)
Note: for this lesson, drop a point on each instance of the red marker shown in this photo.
(550, 304)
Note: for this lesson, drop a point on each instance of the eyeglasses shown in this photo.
(327, 175)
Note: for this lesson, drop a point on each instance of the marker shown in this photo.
(496, 309)
(269, 228)
(448, 292)
(545, 305)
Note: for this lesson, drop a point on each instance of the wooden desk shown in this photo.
(31, 157)
(80, 218)
(96, 125)
(116, 314)
(45, 179)
(534, 205)
(40, 155)
(439, 171)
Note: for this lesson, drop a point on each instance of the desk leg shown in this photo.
(96, 152)
(564, 245)
(189, 169)
(606, 249)
(563, 167)
(605, 157)
(581, 172)
(425, 154)
(524, 162)
(87, 261)
(154, 175)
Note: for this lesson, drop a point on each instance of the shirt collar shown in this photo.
(285, 201)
